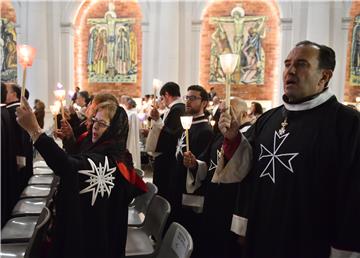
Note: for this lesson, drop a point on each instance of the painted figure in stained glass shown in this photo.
(122, 51)
(8, 51)
(355, 54)
(244, 35)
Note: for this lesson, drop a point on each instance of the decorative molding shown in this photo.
(286, 23)
(345, 23)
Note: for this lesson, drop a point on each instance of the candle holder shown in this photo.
(26, 56)
(228, 64)
(186, 122)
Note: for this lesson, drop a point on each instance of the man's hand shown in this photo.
(189, 160)
(154, 114)
(66, 131)
(228, 126)
(26, 118)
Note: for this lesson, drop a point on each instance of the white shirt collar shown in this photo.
(323, 97)
(175, 102)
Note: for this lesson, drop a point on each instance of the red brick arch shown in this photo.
(97, 9)
(350, 91)
(270, 43)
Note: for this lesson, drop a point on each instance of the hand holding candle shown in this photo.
(186, 122)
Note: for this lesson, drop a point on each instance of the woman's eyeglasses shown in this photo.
(99, 122)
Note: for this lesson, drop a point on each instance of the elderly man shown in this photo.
(305, 181)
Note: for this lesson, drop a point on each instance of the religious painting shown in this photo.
(8, 62)
(242, 35)
(355, 54)
(112, 49)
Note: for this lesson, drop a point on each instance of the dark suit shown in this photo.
(165, 163)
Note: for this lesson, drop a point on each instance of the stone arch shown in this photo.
(352, 89)
(270, 45)
(97, 9)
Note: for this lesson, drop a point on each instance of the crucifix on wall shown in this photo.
(112, 49)
(242, 35)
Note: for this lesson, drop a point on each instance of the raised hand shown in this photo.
(26, 118)
(228, 125)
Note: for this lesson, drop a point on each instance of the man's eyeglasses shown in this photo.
(191, 98)
(99, 122)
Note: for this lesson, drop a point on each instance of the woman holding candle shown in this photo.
(96, 187)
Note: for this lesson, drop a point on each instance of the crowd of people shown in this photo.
(279, 184)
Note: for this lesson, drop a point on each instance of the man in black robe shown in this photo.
(188, 182)
(8, 161)
(22, 141)
(305, 180)
(162, 138)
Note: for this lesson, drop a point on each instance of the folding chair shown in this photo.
(144, 241)
(140, 206)
(177, 243)
(29, 249)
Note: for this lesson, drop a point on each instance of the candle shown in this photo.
(228, 64)
(54, 111)
(26, 56)
(60, 96)
(156, 86)
(186, 122)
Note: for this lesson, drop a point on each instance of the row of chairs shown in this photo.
(24, 233)
(148, 213)
(146, 240)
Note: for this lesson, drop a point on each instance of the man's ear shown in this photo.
(326, 76)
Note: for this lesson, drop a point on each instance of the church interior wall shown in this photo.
(171, 41)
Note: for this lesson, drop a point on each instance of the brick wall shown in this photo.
(7, 11)
(97, 9)
(350, 91)
(270, 45)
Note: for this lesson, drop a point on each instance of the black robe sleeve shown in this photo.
(171, 130)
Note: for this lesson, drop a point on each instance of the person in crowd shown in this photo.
(133, 141)
(304, 177)
(212, 94)
(8, 161)
(22, 142)
(256, 110)
(219, 241)
(163, 135)
(39, 111)
(74, 97)
(82, 100)
(188, 182)
(97, 185)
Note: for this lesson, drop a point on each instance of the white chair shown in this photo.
(36, 191)
(40, 164)
(19, 229)
(140, 172)
(140, 206)
(29, 206)
(41, 180)
(177, 243)
(144, 241)
(42, 171)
